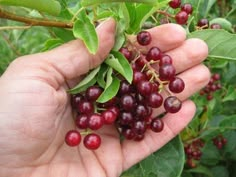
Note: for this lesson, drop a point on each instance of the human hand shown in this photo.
(35, 110)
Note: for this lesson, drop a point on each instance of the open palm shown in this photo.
(35, 110)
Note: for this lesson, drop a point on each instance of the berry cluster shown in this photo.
(213, 85)
(193, 152)
(185, 10)
(204, 24)
(219, 141)
(131, 109)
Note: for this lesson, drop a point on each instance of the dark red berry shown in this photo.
(141, 111)
(144, 88)
(155, 100)
(204, 23)
(172, 104)
(127, 102)
(93, 92)
(209, 97)
(92, 141)
(144, 38)
(76, 99)
(215, 26)
(127, 54)
(125, 87)
(128, 133)
(109, 117)
(114, 109)
(175, 4)
(139, 137)
(216, 77)
(82, 121)
(139, 127)
(187, 8)
(153, 54)
(157, 125)
(126, 118)
(95, 121)
(181, 17)
(73, 138)
(86, 107)
(176, 85)
(167, 72)
(141, 61)
(138, 76)
(165, 59)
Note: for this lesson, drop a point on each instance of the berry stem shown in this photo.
(165, 13)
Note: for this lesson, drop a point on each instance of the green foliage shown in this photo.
(213, 117)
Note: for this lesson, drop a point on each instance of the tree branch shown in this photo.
(34, 21)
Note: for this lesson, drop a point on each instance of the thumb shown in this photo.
(73, 59)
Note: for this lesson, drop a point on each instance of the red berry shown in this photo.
(139, 127)
(165, 59)
(93, 92)
(216, 77)
(141, 111)
(125, 87)
(144, 88)
(181, 17)
(172, 104)
(73, 138)
(187, 8)
(127, 102)
(128, 133)
(138, 76)
(109, 117)
(127, 54)
(95, 121)
(155, 100)
(175, 4)
(176, 85)
(82, 121)
(204, 23)
(153, 54)
(76, 99)
(157, 125)
(144, 38)
(215, 26)
(92, 141)
(167, 72)
(85, 107)
(126, 118)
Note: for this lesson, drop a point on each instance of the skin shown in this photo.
(35, 110)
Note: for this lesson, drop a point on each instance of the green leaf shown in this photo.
(201, 169)
(110, 91)
(86, 31)
(52, 43)
(224, 23)
(166, 162)
(84, 87)
(230, 95)
(127, 69)
(221, 44)
(50, 6)
(88, 79)
(64, 34)
(220, 171)
(101, 75)
(229, 121)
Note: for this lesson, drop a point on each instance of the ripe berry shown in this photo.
(109, 117)
(127, 102)
(144, 38)
(187, 8)
(92, 141)
(95, 121)
(73, 138)
(204, 23)
(157, 125)
(144, 88)
(176, 85)
(76, 99)
(181, 17)
(128, 133)
(216, 77)
(126, 118)
(172, 104)
(167, 72)
(115, 110)
(153, 54)
(138, 76)
(82, 121)
(85, 107)
(141, 111)
(215, 26)
(155, 100)
(139, 137)
(139, 127)
(125, 87)
(175, 4)
(165, 59)
(93, 92)
(127, 54)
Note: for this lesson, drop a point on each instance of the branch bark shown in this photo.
(34, 21)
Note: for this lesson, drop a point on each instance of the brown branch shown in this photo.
(12, 46)
(34, 21)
